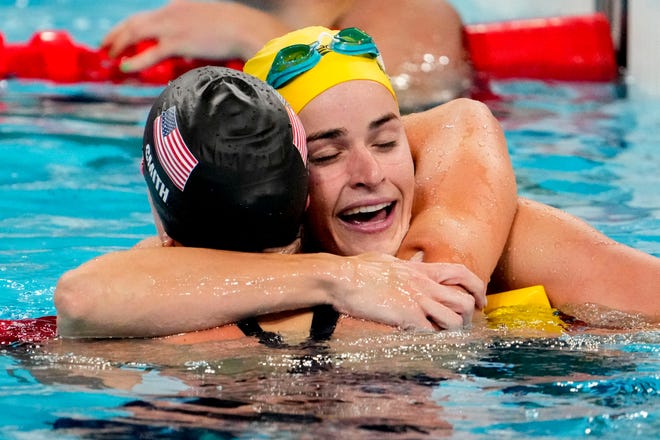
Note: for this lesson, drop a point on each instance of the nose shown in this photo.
(365, 168)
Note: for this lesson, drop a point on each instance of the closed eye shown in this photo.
(320, 160)
(387, 145)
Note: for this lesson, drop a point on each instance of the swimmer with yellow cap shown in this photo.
(304, 63)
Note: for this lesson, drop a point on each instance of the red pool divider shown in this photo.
(54, 56)
(574, 48)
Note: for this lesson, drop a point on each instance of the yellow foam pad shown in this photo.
(526, 309)
(534, 295)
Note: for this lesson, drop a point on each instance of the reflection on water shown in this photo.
(470, 384)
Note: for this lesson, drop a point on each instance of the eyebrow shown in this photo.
(382, 121)
(338, 132)
(328, 134)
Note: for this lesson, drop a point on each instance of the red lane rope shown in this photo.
(31, 330)
(564, 48)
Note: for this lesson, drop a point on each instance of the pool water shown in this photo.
(589, 149)
(70, 190)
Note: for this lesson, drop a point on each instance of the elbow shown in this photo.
(73, 303)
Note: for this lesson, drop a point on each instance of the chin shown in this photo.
(369, 247)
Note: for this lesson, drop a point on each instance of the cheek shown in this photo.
(410, 177)
(404, 172)
(320, 190)
(320, 200)
(317, 216)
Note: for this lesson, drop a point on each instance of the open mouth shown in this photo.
(366, 214)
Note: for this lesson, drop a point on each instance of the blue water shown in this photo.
(86, 21)
(70, 190)
(591, 149)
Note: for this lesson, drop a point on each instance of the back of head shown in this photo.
(346, 55)
(225, 162)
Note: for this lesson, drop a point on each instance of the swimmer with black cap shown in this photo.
(225, 162)
(224, 159)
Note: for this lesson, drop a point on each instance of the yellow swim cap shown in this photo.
(333, 68)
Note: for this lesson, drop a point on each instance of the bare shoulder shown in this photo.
(452, 110)
(449, 123)
(149, 242)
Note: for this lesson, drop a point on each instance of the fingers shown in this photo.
(449, 274)
(443, 317)
(119, 38)
(450, 298)
(420, 322)
(434, 306)
(454, 311)
(131, 31)
(424, 296)
(144, 59)
(449, 307)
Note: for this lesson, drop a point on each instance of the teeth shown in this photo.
(366, 209)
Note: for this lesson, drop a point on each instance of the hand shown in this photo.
(411, 294)
(211, 30)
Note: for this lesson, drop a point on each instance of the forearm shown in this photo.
(465, 199)
(577, 264)
(162, 291)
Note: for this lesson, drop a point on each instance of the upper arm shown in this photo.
(465, 194)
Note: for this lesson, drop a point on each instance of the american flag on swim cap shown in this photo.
(175, 157)
(299, 137)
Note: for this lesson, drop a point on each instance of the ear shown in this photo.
(307, 203)
(165, 239)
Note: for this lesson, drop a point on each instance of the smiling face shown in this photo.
(361, 170)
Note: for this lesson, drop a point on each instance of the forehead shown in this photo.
(348, 104)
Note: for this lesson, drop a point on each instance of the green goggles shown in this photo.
(297, 59)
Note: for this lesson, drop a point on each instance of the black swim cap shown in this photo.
(225, 162)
